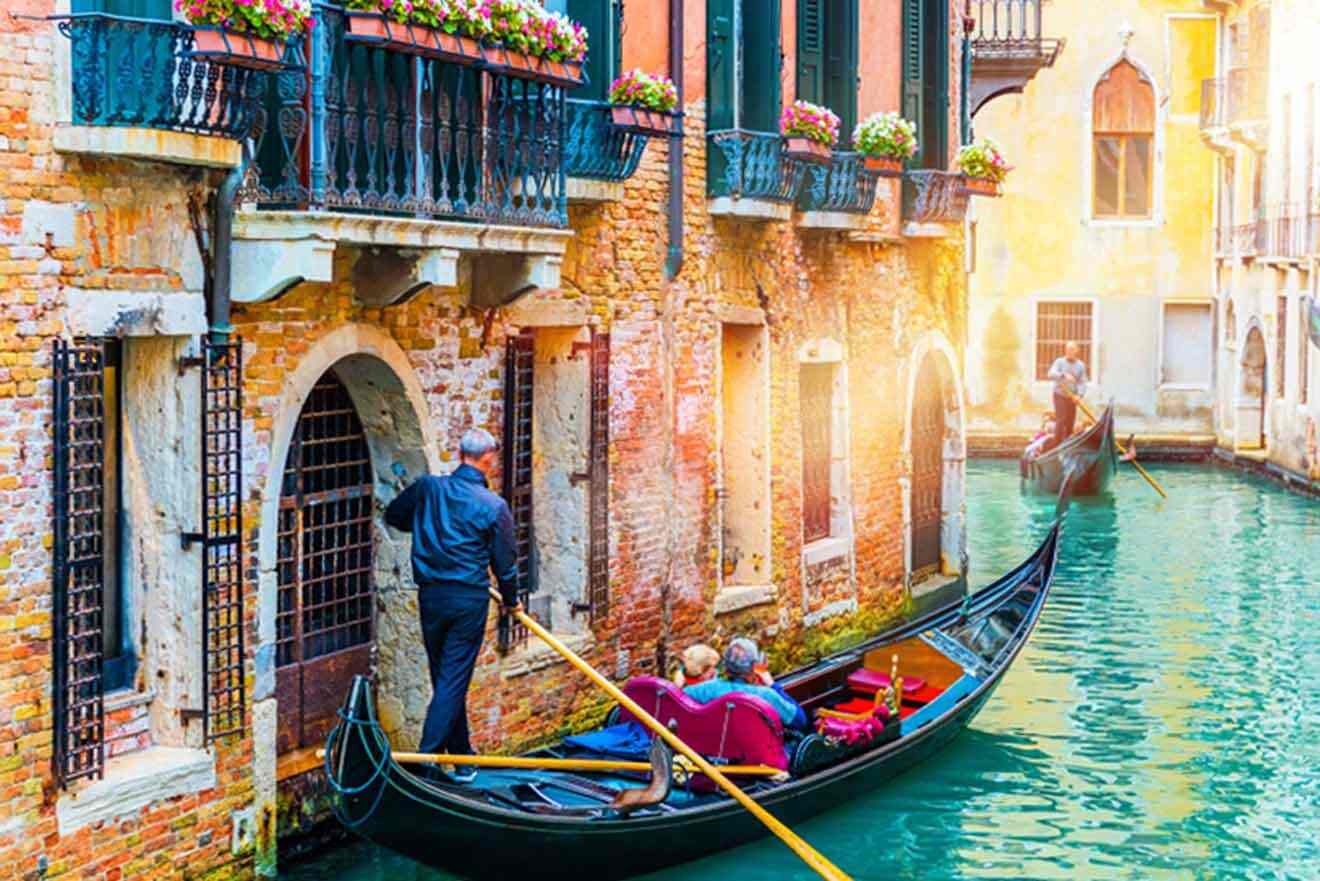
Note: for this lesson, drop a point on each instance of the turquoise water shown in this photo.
(1163, 724)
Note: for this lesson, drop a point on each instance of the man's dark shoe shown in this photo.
(464, 774)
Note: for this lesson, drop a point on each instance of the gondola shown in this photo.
(554, 825)
(1086, 462)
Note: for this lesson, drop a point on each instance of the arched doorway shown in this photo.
(1251, 434)
(928, 424)
(324, 621)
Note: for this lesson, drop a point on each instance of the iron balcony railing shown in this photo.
(752, 165)
(1009, 29)
(1248, 96)
(1249, 239)
(842, 185)
(1214, 104)
(386, 132)
(1290, 233)
(594, 147)
(931, 196)
(137, 73)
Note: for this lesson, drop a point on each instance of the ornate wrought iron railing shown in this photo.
(752, 165)
(386, 132)
(843, 185)
(1290, 233)
(594, 147)
(934, 197)
(137, 73)
(1009, 28)
(1214, 103)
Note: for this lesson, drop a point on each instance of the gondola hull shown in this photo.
(1085, 463)
(444, 827)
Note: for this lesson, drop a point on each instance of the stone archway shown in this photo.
(934, 457)
(1249, 409)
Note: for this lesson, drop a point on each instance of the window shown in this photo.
(926, 78)
(1187, 358)
(1280, 345)
(817, 408)
(603, 20)
(742, 64)
(827, 58)
(1057, 323)
(1123, 126)
(744, 457)
(1303, 354)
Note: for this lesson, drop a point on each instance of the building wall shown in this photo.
(80, 233)
(1040, 241)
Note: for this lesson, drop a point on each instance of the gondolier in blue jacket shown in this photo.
(1069, 375)
(461, 532)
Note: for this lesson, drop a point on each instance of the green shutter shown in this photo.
(154, 9)
(762, 65)
(721, 85)
(841, 50)
(913, 68)
(965, 93)
(598, 17)
(811, 50)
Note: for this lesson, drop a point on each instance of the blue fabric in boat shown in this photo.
(627, 740)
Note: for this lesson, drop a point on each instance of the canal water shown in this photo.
(1164, 722)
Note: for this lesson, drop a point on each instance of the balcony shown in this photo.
(598, 155)
(1008, 48)
(931, 200)
(1248, 106)
(429, 160)
(136, 92)
(1289, 235)
(1249, 239)
(750, 177)
(839, 195)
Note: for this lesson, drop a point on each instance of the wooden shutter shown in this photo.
(599, 18)
(721, 64)
(598, 552)
(1124, 102)
(762, 64)
(159, 10)
(518, 401)
(841, 50)
(913, 68)
(811, 50)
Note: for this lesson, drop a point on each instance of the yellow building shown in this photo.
(1102, 232)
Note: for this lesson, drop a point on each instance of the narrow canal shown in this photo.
(1164, 723)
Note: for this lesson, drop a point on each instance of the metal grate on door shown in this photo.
(598, 552)
(817, 390)
(1056, 324)
(518, 374)
(927, 469)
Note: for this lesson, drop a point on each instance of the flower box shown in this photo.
(807, 149)
(980, 186)
(883, 166)
(502, 59)
(411, 38)
(643, 121)
(222, 46)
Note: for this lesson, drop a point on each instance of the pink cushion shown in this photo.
(753, 735)
(871, 681)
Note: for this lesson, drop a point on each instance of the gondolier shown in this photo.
(461, 532)
(1069, 376)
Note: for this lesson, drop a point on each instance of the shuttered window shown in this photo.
(827, 58)
(1123, 126)
(743, 55)
(926, 78)
(603, 20)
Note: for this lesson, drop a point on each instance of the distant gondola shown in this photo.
(1087, 460)
(556, 825)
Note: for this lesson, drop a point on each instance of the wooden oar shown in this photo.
(1135, 464)
(809, 855)
(540, 764)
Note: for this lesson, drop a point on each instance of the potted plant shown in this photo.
(246, 34)
(431, 28)
(562, 49)
(644, 103)
(983, 168)
(886, 141)
(810, 131)
(526, 40)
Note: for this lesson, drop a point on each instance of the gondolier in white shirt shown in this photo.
(1069, 375)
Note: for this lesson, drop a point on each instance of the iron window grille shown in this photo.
(517, 464)
(1057, 323)
(598, 552)
(927, 470)
(817, 389)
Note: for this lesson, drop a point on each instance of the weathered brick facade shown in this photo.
(74, 226)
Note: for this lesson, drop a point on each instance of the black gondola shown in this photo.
(553, 825)
(1085, 461)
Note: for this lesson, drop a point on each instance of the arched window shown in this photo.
(1123, 133)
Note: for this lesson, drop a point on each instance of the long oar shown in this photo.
(809, 855)
(1135, 464)
(540, 764)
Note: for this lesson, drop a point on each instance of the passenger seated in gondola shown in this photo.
(1041, 442)
(700, 662)
(744, 671)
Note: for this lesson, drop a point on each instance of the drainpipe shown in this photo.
(674, 263)
(222, 249)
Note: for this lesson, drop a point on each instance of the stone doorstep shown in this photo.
(205, 151)
(536, 655)
(735, 598)
(935, 591)
(132, 782)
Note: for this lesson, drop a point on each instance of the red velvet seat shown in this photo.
(870, 681)
(739, 728)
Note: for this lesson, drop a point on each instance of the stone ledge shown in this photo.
(591, 191)
(398, 232)
(743, 596)
(732, 313)
(134, 313)
(132, 782)
(536, 655)
(206, 151)
(914, 230)
(826, 549)
(832, 220)
(748, 209)
(833, 610)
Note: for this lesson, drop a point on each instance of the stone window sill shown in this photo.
(826, 549)
(735, 598)
(749, 209)
(206, 151)
(832, 220)
(914, 230)
(132, 782)
(589, 191)
(536, 655)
